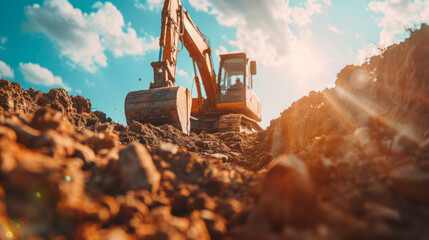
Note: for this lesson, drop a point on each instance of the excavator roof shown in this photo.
(233, 55)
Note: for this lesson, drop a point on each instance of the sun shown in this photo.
(304, 63)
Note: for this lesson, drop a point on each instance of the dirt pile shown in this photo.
(238, 148)
(389, 91)
(67, 171)
(76, 109)
(356, 163)
(350, 162)
(57, 181)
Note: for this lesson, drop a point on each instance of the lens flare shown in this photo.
(374, 110)
(67, 178)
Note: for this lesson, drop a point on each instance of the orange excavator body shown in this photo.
(227, 106)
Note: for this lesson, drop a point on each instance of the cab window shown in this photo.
(232, 80)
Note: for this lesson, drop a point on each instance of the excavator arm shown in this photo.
(178, 26)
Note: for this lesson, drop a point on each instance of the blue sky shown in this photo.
(100, 49)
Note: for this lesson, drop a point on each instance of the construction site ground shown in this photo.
(350, 162)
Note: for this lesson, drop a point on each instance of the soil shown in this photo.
(350, 162)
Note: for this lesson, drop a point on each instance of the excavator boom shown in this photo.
(163, 103)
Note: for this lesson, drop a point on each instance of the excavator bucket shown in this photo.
(159, 106)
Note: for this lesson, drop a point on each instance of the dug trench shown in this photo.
(350, 162)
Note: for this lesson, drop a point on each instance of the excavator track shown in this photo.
(238, 123)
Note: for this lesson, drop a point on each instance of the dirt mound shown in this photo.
(237, 148)
(349, 163)
(389, 91)
(356, 156)
(85, 176)
(57, 181)
(76, 109)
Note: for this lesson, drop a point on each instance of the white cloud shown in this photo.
(397, 16)
(109, 23)
(36, 74)
(152, 5)
(3, 40)
(334, 29)
(221, 50)
(301, 16)
(89, 83)
(78, 91)
(84, 38)
(263, 27)
(366, 52)
(182, 73)
(200, 5)
(6, 71)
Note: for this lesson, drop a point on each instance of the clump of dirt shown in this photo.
(349, 162)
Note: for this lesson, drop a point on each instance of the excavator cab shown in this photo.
(235, 84)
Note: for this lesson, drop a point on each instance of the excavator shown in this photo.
(229, 103)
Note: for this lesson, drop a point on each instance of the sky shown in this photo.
(103, 49)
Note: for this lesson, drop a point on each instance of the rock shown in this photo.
(227, 135)
(377, 211)
(137, 169)
(235, 154)
(60, 100)
(215, 224)
(403, 144)
(219, 156)
(287, 193)
(85, 153)
(216, 186)
(81, 104)
(197, 229)
(411, 182)
(101, 116)
(7, 134)
(114, 233)
(105, 127)
(55, 144)
(46, 118)
(201, 144)
(203, 201)
(367, 141)
(169, 148)
(103, 140)
(179, 204)
(229, 208)
(168, 175)
(25, 134)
